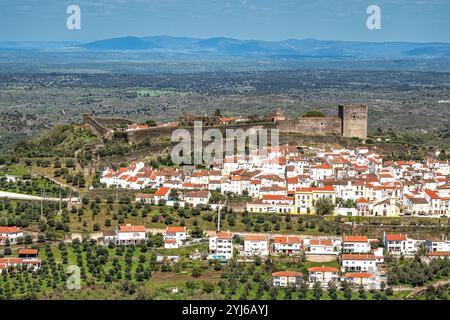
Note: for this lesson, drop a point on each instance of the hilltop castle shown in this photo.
(351, 121)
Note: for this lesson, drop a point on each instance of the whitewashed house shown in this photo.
(323, 275)
(256, 245)
(130, 235)
(221, 246)
(11, 234)
(288, 245)
(358, 262)
(175, 237)
(397, 244)
(370, 281)
(356, 244)
(321, 246)
(195, 198)
(286, 278)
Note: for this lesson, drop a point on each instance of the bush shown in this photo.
(313, 113)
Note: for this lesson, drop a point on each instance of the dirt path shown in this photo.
(417, 290)
(59, 183)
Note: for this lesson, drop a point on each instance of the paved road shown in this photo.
(20, 196)
(213, 232)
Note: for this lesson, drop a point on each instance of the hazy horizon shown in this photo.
(401, 20)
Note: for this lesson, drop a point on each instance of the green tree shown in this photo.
(313, 113)
(151, 123)
(317, 290)
(324, 206)
(332, 289)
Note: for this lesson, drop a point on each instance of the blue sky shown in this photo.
(402, 20)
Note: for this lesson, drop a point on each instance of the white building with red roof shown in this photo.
(321, 246)
(256, 245)
(288, 245)
(221, 246)
(323, 275)
(356, 244)
(358, 262)
(370, 281)
(15, 263)
(175, 237)
(130, 235)
(136, 126)
(286, 278)
(195, 198)
(397, 244)
(11, 234)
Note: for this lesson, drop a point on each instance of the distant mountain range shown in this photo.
(285, 48)
(291, 48)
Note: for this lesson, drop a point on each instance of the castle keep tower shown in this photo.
(353, 120)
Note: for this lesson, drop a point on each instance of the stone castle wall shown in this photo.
(139, 135)
(312, 126)
(113, 122)
(350, 122)
(99, 130)
(354, 121)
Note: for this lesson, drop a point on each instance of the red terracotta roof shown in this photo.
(224, 235)
(322, 269)
(9, 230)
(444, 253)
(359, 275)
(395, 237)
(356, 239)
(286, 274)
(327, 188)
(163, 191)
(255, 238)
(28, 251)
(131, 229)
(287, 240)
(175, 229)
(358, 257)
(322, 242)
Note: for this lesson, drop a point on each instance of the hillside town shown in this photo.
(361, 259)
(339, 181)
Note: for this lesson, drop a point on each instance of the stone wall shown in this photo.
(99, 130)
(138, 135)
(113, 122)
(354, 120)
(313, 126)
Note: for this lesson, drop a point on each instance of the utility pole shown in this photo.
(42, 206)
(218, 217)
(69, 203)
(60, 201)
